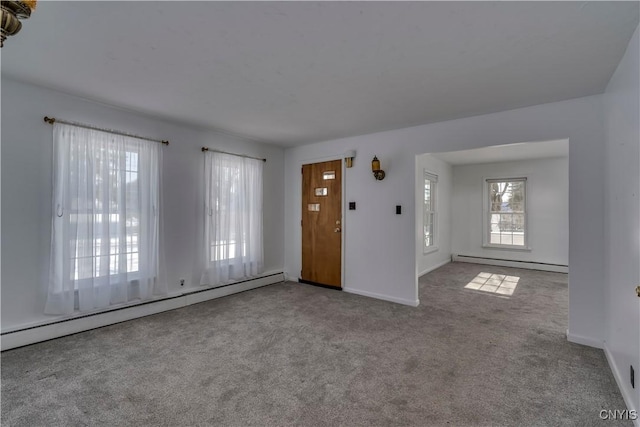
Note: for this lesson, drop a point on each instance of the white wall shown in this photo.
(547, 209)
(432, 260)
(26, 191)
(380, 246)
(622, 221)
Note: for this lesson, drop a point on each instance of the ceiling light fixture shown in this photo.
(11, 12)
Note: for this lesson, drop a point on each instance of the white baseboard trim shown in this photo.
(435, 267)
(628, 399)
(412, 303)
(61, 327)
(197, 296)
(588, 341)
(511, 263)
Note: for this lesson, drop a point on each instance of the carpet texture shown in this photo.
(292, 354)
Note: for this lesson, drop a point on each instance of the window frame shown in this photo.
(133, 275)
(219, 252)
(433, 178)
(486, 214)
(93, 179)
(221, 246)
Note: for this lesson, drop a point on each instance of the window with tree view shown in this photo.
(233, 221)
(110, 216)
(429, 211)
(106, 220)
(506, 223)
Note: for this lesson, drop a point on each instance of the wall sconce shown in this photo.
(11, 12)
(348, 158)
(375, 167)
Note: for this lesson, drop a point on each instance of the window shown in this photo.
(233, 218)
(329, 175)
(100, 253)
(506, 218)
(429, 212)
(105, 234)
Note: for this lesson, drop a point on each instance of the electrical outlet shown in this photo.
(632, 377)
(181, 282)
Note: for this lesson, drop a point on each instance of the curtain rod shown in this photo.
(52, 120)
(231, 154)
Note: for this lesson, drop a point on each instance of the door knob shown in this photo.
(638, 290)
(337, 230)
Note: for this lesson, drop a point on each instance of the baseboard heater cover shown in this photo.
(45, 331)
(531, 265)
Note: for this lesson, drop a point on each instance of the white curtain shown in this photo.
(233, 218)
(105, 240)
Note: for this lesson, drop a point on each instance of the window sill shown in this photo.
(431, 250)
(508, 248)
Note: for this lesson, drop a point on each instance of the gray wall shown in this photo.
(380, 248)
(547, 209)
(622, 221)
(26, 191)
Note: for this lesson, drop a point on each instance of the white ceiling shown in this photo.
(299, 72)
(507, 153)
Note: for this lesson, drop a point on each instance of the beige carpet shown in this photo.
(292, 354)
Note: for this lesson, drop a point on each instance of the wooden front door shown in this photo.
(322, 223)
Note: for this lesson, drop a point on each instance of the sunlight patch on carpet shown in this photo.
(499, 284)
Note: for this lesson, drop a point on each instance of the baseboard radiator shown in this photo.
(43, 331)
(531, 265)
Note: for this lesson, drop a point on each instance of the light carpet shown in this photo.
(293, 354)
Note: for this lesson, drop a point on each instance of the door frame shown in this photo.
(342, 210)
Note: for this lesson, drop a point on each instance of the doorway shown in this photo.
(322, 224)
(500, 207)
